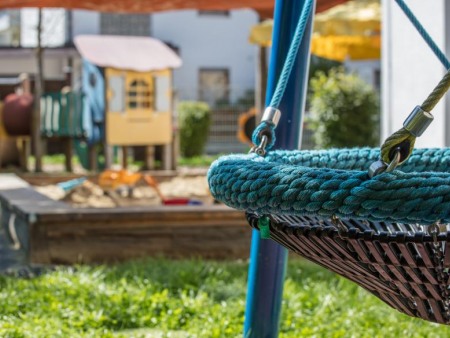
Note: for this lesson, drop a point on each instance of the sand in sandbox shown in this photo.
(91, 195)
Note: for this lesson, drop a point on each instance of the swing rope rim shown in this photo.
(335, 183)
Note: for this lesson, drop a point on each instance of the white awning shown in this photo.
(127, 52)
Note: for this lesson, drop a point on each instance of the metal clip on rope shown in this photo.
(380, 166)
(261, 148)
(418, 121)
(415, 124)
(271, 117)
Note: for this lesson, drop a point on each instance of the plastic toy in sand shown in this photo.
(111, 180)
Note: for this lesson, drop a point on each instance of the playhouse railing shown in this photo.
(62, 119)
(62, 115)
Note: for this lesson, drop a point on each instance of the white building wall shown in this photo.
(410, 70)
(83, 23)
(209, 42)
(366, 69)
(12, 66)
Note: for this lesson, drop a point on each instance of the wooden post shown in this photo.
(175, 149)
(109, 156)
(150, 157)
(124, 157)
(23, 145)
(68, 152)
(261, 82)
(167, 157)
(39, 89)
(92, 151)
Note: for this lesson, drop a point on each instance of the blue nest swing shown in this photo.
(354, 211)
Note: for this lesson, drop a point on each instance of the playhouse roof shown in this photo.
(127, 52)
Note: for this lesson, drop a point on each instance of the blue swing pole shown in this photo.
(267, 258)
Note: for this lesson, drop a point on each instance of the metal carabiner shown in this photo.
(261, 148)
(380, 167)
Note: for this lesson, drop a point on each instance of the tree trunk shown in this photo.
(39, 89)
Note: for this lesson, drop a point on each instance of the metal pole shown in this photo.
(267, 258)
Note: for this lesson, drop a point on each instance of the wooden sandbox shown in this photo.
(37, 229)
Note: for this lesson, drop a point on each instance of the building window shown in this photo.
(10, 28)
(215, 13)
(214, 86)
(125, 24)
(139, 95)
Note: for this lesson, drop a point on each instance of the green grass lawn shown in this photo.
(196, 161)
(163, 298)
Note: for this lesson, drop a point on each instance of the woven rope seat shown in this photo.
(381, 239)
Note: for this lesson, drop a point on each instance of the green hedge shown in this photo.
(194, 122)
(344, 110)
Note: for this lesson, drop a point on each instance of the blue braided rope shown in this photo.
(335, 182)
(428, 39)
(285, 73)
(291, 55)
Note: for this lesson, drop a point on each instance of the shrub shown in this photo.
(344, 110)
(194, 119)
(318, 64)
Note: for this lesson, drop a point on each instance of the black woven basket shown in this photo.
(401, 264)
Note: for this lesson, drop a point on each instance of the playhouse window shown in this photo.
(139, 95)
(162, 93)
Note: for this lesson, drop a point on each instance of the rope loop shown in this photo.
(263, 129)
(402, 141)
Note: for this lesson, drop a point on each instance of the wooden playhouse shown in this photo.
(127, 83)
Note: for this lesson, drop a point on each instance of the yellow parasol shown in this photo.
(347, 31)
(261, 34)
